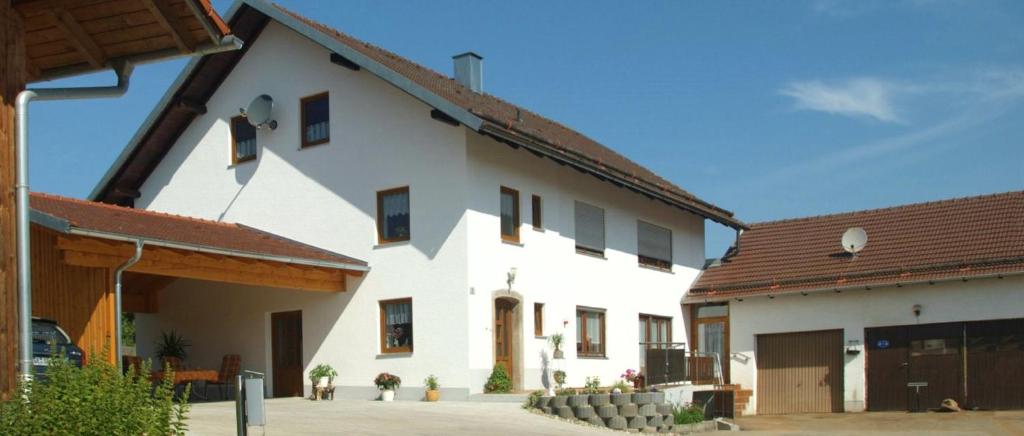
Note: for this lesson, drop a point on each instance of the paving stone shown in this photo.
(648, 410)
(636, 422)
(615, 423)
(584, 412)
(665, 429)
(607, 411)
(599, 399)
(628, 410)
(620, 399)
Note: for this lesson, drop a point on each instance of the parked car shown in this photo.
(50, 341)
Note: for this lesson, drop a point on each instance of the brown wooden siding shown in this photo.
(800, 372)
(80, 299)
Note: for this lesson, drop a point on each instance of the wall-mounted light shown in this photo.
(917, 310)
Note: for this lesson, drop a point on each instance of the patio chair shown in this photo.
(229, 367)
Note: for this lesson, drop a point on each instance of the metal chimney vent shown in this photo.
(469, 71)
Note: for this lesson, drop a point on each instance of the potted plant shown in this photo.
(318, 373)
(387, 383)
(433, 394)
(559, 376)
(172, 346)
(556, 341)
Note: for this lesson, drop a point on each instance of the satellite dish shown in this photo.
(854, 240)
(259, 112)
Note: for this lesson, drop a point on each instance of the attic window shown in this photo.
(243, 140)
(316, 120)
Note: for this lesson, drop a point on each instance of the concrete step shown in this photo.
(499, 398)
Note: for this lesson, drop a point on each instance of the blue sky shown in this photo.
(771, 110)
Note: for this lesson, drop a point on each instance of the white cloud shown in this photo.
(861, 97)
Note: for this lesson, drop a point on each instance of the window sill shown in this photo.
(381, 245)
(544, 337)
(591, 254)
(397, 355)
(241, 162)
(592, 357)
(539, 229)
(656, 268)
(314, 144)
(513, 243)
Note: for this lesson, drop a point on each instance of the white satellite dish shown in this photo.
(259, 112)
(854, 240)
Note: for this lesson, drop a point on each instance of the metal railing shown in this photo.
(667, 363)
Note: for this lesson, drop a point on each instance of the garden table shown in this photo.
(186, 376)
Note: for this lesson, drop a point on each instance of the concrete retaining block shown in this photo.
(620, 399)
(654, 421)
(628, 410)
(642, 398)
(615, 423)
(599, 399)
(558, 401)
(657, 397)
(564, 412)
(607, 411)
(648, 410)
(542, 402)
(648, 429)
(665, 429)
(664, 409)
(577, 400)
(594, 420)
(545, 409)
(583, 412)
(636, 422)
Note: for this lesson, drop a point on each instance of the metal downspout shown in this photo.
(117, 298)
(21, 195)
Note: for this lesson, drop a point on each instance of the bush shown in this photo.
(532, 399)
(688, 414)
(592, 385)
(623, 387)
(565, 391)
(499, 381)
(96, 399)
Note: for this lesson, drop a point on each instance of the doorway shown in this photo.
(711, 334)
(286, 355)
(504, 337)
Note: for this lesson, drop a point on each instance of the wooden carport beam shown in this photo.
(169, 21)
(79, 37)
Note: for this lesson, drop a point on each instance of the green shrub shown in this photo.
(95, 400)
(565, 391)
(592, 385)
(532, 399)
(499, 381)
(623, 387)
(688, 414)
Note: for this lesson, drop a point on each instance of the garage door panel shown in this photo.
(995, 364)
(800, 372)
(887, 368)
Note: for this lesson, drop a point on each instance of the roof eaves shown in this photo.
(49, 221)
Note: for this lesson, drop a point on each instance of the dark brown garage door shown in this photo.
(800, 372)
(990, 377)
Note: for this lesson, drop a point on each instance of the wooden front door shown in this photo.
(286, 343)
(503, 335)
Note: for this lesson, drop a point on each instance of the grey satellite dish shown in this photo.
(854, 240)
(259, 112)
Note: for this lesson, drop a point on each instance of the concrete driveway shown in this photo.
(890, 423)
(287, 416)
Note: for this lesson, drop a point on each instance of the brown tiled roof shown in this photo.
(519, 120)
(956, 238)
(156, 226)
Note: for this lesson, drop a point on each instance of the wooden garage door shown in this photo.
(995, 364)
(800, 372)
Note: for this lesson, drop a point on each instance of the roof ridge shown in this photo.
(887, 208)
(130, 209)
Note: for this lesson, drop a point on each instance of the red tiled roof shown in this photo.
(961, 237)
(137, 223)
(510, 117)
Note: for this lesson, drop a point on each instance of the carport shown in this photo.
(78, 247)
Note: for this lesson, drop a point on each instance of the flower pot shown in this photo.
(433, 395)
(387, 395)
(559, 354)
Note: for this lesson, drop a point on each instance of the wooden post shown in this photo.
(12, 81)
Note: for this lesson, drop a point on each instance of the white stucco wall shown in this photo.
(550, 271)
(326, 196)
(853, 311)
(455, 262)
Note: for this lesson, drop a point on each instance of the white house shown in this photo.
(486, 227)
(934, 301)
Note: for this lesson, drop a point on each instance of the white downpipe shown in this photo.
(21, 195)
(117, 298)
